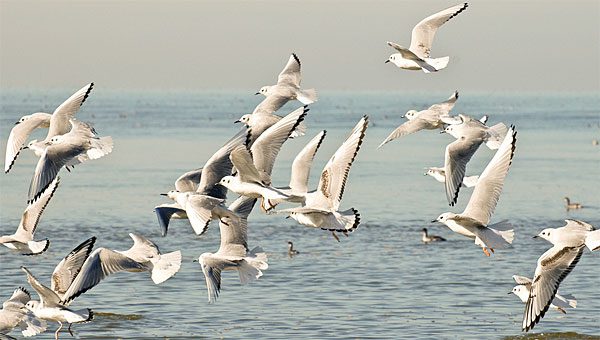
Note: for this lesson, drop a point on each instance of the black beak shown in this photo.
(288, 216)
(387, 61)
(535, 236)
(443, 131)
(510, 292)
(164, 194)
(257, 93)
(237, 121)
(194, 260)
(433, 221)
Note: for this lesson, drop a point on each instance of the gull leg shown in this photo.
(492, 249)
(486, 252)
(58, 330)
(561, 310)
(262, 205)
(335, 236)
(70, 332)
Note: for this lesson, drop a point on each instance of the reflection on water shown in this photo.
(380, 282)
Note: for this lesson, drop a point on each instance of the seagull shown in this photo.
(474, 221)
(286, 89)
(430, 238)
(233, 253)
(321, 207)
(22, 240)
(417, 56)
(200, 209)
(469, 134)
(291, 250)
(288, 85)
(203, 181)
(493, 135)
(429, 119)
(57, 122)
(187, 182)
(50, 307)
(570, 205)
(553, 266)
(144, 255)
(79, 145)
(255, 163)
(559, 302)
(440, 175)
(14, 313)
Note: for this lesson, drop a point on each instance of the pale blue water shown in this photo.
(380, 282)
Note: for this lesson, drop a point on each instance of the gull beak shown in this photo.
(510, 292)
(443, 131)
(288, 216)
(195, 260)
(433, 221)
(535, 236)
(257, 93)
(237, 121)
(164, 194)
(387, 61)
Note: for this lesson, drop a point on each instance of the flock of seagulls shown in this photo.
(243, 166)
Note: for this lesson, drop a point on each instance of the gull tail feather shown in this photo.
(100, 147)
(38, 247)
(251, 266)
(496, 135)
(307, 96)
(166, 266)
(435, 65)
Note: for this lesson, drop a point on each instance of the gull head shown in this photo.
(32, 305)
(521, 292)
(22, 119)
(172, 194)
(410, 114)
(546, 234)
(55, 140)
(244, 119)
(227, 181)
(264, 91)
(391, 59)
(444, 217)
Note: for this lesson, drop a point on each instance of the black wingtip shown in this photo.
(297, 59)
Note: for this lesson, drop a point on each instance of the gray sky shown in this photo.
(497, 46)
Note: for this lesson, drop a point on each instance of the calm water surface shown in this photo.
(380, 282)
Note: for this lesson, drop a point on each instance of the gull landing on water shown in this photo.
(474, 221)
(417, 56)
(553, 266)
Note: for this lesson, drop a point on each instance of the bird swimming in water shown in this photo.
(426, 238)
(291, 250)
(570, 205)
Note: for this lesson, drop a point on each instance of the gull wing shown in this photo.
(333, 178)
(522, 280)
(217, 167)
(552, 268)
(487, 191)
(19, 134)
(199, 210)
(189, 181)
(59, 122)
(242, 160)
(99, 265)
(164, 213)
(458, 154)
(270, 104)
(424, 32)
(18, 299)
(53, 159)
(266, 147)
(65, 272)
(291, 72)
(33, 212)
(211, 268)
(405, 52)
(303, 162)
(406, 128)
(48, 297)
(234, 233)
(445, 107)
